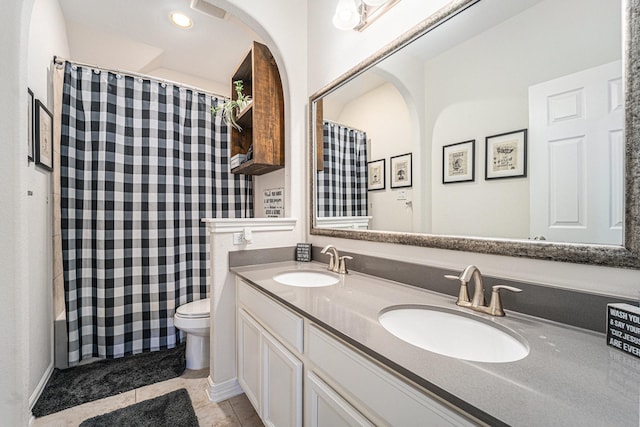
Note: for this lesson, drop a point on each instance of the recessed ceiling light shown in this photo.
(181, 20)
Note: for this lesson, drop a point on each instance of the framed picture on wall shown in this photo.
(506, 155)
(30, 107)
(401, 171)
(376, 172)
(459, 162)
(43, 136)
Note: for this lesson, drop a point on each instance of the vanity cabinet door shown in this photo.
(282, 390)
(249, 360)
(269, 374)
(326, 408)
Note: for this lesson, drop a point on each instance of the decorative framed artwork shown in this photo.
(43, 136)
(401, 171)
(506, 155)
(376, 172)
(459, 162)
(30, 108)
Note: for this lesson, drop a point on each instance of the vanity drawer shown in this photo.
(373, 390)
(282, 322)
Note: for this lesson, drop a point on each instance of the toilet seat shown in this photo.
(195, 309)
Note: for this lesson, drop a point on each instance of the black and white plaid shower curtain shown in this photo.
(342, 184)
(142, 162)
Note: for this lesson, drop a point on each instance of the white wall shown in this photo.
(489, 95)
(383, 114)
(282, 27)
(498, 208)
(47, 37)
(14, 286)
(191, 80)
(331, 53)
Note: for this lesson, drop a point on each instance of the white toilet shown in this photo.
(193, 319)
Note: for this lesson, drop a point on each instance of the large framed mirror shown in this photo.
(501, 127)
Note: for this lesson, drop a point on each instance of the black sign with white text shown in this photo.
(623, 328)
(303, 252)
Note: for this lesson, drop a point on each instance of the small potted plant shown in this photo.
(231, 109)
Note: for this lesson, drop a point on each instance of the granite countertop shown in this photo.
(570, 377)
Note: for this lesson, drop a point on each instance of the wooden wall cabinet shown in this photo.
(263, 121)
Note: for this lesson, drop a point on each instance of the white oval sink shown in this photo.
(306, 278)
(454, 334)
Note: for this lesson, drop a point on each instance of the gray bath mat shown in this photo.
(81, 384)
(171, 410)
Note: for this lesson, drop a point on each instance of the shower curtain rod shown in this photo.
(342, 124)
(60, 61)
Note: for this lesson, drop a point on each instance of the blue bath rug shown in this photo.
(81, 384)
(171, 410)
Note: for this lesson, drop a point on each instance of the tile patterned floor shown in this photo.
(235, 412)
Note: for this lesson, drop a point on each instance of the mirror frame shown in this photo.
(625, 256)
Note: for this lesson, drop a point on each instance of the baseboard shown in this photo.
(40, 387)
(224, 390)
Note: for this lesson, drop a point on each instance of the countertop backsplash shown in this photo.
(570, 307)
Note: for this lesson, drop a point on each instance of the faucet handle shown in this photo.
(463, 294)
(509, 288)
(495, 306)
(332, 262)
(342, 268)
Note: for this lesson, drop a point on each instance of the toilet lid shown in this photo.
(195, 309)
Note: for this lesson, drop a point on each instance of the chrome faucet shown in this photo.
(478, 302)
(472, 272)
(337, 263)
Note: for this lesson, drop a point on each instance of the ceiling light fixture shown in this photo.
(347, 15)
(359, 14)
(180, 20)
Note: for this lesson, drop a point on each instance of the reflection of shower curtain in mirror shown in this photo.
(142, 162)
(342, 184)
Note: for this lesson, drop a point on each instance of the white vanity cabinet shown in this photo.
(342, 387)
(370, 389)
(269, 371)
